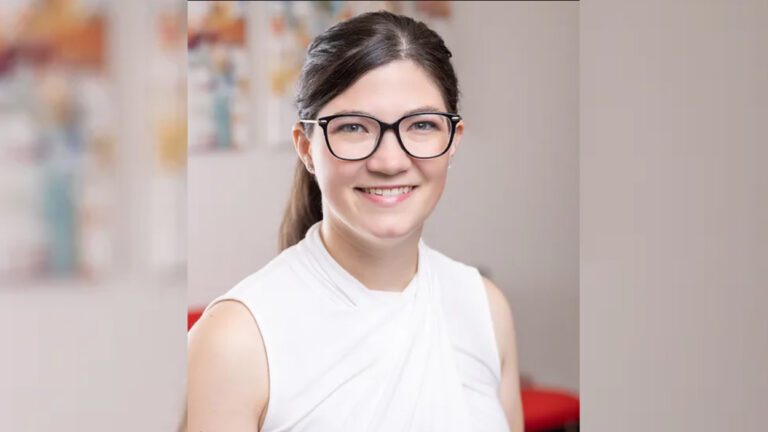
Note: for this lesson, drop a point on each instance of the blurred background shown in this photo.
(92, 211)
(667, 99)
(511, 203)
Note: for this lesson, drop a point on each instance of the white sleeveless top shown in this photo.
(343, 357)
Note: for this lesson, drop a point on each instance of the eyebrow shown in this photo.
(425, 108)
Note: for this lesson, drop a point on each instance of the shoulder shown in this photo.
(503, 325)
(227, 369)
(227, 326)
(501, 315)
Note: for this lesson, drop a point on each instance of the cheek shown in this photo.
(435, 177)
(318, 150)
(435, 172)
(336, 178)
(326, 166)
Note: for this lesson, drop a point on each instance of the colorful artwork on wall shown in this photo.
(217, 75)
(245, 58)
(58, 141)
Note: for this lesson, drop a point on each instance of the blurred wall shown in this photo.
(511, 205)
(110, 354)
(110, 357)
(674, 251)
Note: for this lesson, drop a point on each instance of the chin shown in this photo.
(390, 229)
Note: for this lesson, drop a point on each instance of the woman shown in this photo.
(358, 325)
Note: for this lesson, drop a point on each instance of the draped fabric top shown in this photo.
(342, 357)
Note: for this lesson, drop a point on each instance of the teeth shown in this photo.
(388, 192)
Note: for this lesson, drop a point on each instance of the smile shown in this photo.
(388, 191)
(386, 196)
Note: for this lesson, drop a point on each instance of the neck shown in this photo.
(387, 265)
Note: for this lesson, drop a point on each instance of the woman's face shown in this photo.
(387, 93)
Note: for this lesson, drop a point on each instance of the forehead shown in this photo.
(388, 91)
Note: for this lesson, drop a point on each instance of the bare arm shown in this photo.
(504, 329)
(227, 378)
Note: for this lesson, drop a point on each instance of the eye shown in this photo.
(424, 126)
(351, 128)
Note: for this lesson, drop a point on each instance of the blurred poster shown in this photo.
(56, 155)
(217, 80)
(167, 85)
(168, 90)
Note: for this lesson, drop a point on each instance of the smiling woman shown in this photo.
(345, 166)
(357, 324)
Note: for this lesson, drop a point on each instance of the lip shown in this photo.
(386, 201)
(385, 186)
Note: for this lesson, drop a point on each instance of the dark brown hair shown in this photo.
(335, 60)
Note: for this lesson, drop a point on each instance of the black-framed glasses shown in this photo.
(354, 137)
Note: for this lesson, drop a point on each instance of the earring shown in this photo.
(449, 162)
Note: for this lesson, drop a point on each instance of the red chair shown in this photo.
(546, 409)
(192, 316)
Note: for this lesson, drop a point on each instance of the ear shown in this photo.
(456, 138)
(301, 142)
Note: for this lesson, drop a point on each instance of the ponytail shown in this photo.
(304, 208)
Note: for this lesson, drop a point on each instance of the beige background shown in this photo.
(674, 215)
(511, 204)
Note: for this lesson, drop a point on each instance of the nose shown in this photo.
(389, 158)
